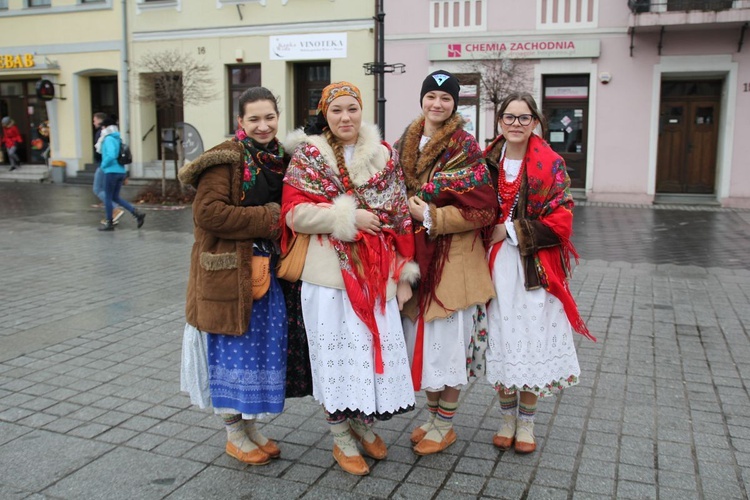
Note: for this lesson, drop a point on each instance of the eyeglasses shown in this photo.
(523, 120)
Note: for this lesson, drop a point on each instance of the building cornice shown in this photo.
(536, 34)
(256, 30)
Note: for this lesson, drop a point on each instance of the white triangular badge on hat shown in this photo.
(440, 78)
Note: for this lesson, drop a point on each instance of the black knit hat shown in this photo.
(441, 80)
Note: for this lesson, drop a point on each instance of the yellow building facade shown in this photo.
(293, 47)
(74, 44)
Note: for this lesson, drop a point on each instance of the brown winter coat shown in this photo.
(466, 279)
(219, 288)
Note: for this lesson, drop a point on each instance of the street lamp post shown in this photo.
(379, 67)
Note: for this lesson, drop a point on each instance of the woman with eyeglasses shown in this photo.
(531, 321)
(451, 201)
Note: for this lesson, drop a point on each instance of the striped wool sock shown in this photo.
(445, 413)
(508, 403)
(526, 412)
(236, 432)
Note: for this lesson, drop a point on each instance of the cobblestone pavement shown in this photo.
(90, 336)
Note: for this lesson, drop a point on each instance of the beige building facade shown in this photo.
(293, 47)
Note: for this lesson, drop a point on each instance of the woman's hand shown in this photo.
(366, 221)
(417, 208)
(498, 234)
(403, 294)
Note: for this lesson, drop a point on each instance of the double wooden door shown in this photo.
(688, 138)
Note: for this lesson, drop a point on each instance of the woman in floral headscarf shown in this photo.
(234, 347)
(345, 188)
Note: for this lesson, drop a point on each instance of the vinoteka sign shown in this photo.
(515, 49)
(312, 46)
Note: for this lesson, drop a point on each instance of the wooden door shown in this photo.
(567, 135)
(688, 138)
(309, 81)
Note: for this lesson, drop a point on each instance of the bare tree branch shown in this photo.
(498, 77)
(172, 78)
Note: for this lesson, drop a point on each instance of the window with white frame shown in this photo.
(38, 3)
(3, 4)
(458, 15)
(567, 14)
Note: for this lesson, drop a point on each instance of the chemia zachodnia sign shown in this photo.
(512, 48)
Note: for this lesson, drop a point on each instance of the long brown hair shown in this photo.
(530, 102)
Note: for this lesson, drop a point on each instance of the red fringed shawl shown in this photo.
(366, 262)
(548, 200)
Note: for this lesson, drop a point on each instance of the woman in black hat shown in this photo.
(451, 199)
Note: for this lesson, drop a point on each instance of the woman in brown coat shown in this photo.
(234, 347)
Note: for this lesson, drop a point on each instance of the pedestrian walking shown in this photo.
(345, 189)
(532, 319)
(12, 140)
(98, 187)
(450, 199)
(235, 339)
(108, 146)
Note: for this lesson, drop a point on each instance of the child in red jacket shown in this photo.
(12, 141)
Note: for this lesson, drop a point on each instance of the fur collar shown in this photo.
(414, 162)
(227, 153)
(370, 156)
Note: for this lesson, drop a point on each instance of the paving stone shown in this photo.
(139, 475)
(27, 463)
(464, 483)
(410, 491)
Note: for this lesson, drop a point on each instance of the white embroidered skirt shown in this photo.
(342, 357)
(530, 338)
(447, 347)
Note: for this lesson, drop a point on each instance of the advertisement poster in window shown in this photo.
(469, 114)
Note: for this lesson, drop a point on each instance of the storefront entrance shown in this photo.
(688, 136)
(309, 81)
(566, 107)
(19, 101)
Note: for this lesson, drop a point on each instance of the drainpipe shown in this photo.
(124, 103)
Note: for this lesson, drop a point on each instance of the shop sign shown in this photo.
(566, 92)
(17, 61)
(311, 46)
(515, 49)
(45, 90)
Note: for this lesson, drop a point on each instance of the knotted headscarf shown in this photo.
(337, 89)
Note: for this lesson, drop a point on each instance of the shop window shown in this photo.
(38, 3)
(3, 4)
(240, 78)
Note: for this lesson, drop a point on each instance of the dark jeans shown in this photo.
(112, 185)
(15, 161)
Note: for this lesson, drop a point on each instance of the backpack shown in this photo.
(125, 157)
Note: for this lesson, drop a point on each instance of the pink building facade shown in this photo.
(647, 100)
